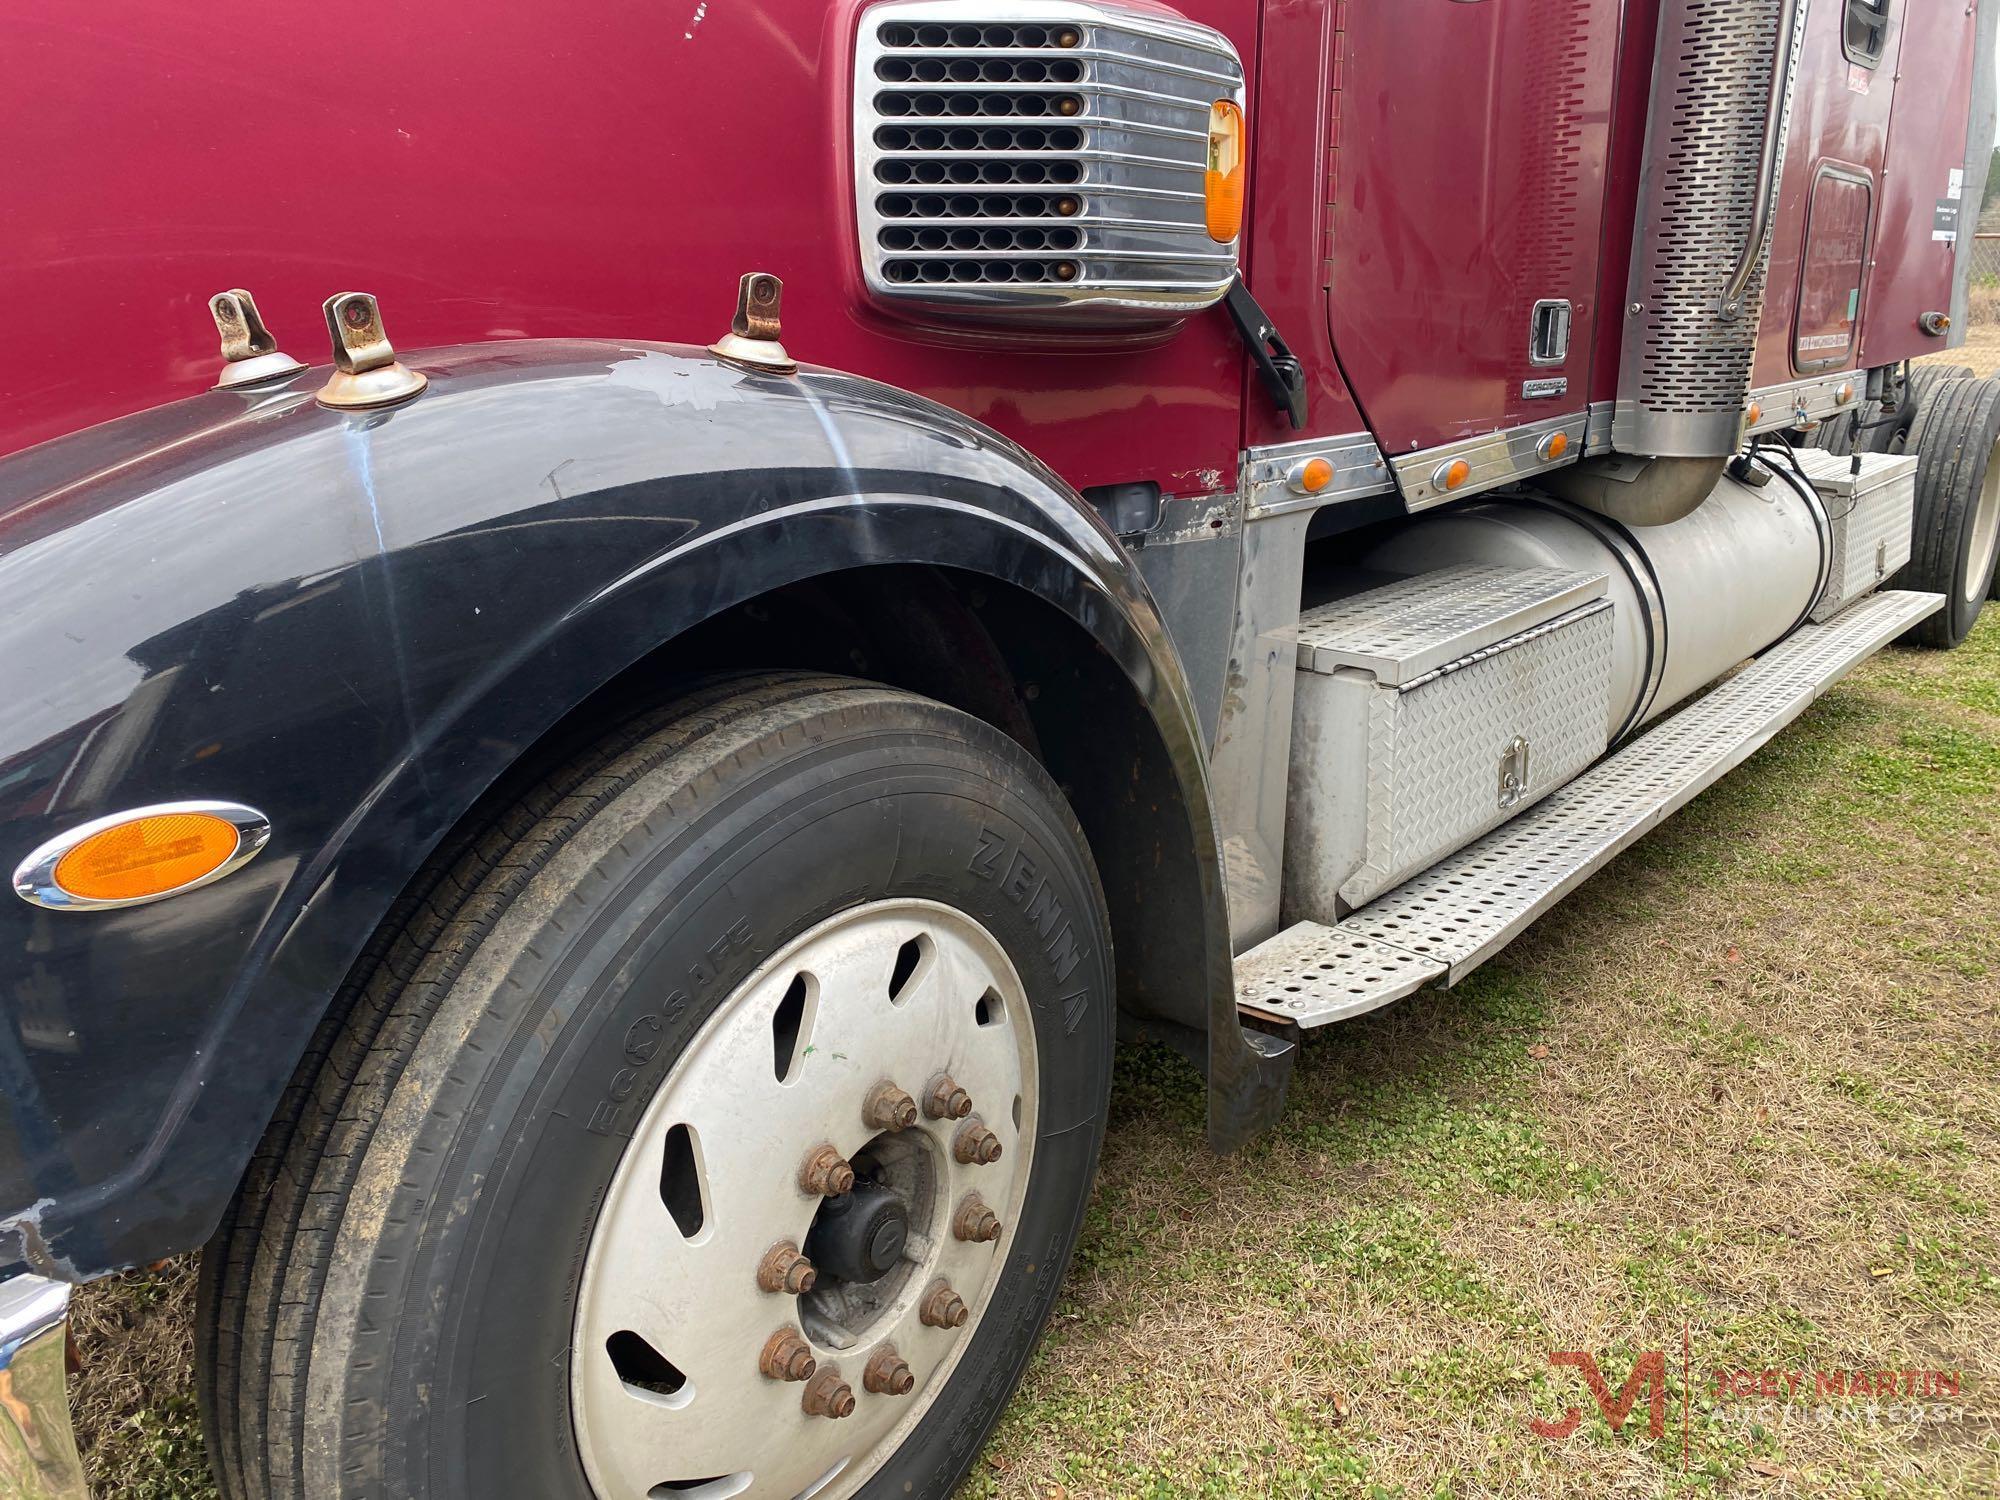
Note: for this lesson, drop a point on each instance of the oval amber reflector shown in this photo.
(1315, 476)
(1224, 182)
(1755, 414)
(1555, 445)
(148, 856)
(1453, 474)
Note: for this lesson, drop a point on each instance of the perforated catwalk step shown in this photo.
(1446, 922)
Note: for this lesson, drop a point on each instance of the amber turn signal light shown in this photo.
(141, 855)
(1310, 476)
(147, 857)
(1451, 475)
(1224, 181)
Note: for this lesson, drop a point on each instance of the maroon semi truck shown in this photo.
(592, 857)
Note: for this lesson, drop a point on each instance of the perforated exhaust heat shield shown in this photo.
(1715, 141)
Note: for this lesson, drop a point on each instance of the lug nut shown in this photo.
(826, 1173)
(827, 1395)
(942, 1307)
(945, 1100)
(783, 1269)
(974, 1220)
(787, 1356)
(888, 1108)
(888, 1373)
(975, 1145)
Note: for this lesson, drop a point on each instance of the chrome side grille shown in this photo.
(1038, 158)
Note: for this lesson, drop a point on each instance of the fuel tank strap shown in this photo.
(1619, 542)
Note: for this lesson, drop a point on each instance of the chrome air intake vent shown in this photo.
(1039, 158)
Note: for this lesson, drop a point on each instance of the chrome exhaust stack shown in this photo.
(1715, 143)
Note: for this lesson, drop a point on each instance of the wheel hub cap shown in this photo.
(860, 1236)
(689, 1378)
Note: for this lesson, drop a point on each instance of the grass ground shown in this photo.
(1741, 1087)
(1740, 1090)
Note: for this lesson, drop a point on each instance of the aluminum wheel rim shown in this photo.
(730, 1429)
(1985, 532)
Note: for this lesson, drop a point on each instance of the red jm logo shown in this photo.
(1651, 1370)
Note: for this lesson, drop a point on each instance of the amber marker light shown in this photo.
(1450, 476)
(1754, 415)
(1224, 181)
(1553, 447)
(1311, 476)
(142, 855)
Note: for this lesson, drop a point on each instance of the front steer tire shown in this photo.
(387, 1314)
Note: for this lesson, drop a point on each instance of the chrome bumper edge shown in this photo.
(37, 1449)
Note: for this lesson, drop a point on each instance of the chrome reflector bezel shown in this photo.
(1128, 164)
(35, 876)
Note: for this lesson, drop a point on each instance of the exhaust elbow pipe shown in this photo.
(1637, 491)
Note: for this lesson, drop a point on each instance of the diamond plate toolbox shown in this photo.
(1430, 711)
(1872, 514)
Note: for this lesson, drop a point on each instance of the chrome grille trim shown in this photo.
(1097, 215)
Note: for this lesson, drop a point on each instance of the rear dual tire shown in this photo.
(1955, 546)
(1866, 429)
(397, 1313)
(1859, 429)
(1923, 379)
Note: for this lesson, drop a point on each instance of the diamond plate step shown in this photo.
(1444, 923)
(1312, 974)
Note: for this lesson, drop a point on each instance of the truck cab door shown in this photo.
(1467, 168)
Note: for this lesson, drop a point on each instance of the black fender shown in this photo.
(355, 623)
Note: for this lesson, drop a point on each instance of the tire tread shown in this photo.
(1953, 436)
(265, 1269)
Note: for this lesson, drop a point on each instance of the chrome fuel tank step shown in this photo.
(1444, 923)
